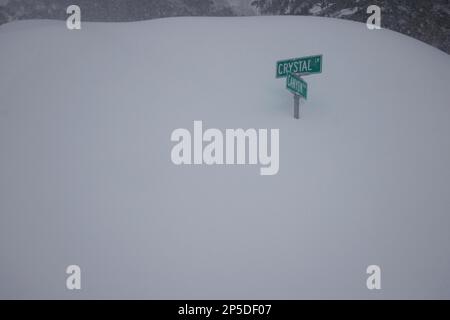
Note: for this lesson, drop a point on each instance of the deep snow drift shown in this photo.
(86, 176)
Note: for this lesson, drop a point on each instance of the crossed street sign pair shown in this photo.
(292, 70)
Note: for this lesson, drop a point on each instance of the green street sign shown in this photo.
(297, 85)
(301, 66)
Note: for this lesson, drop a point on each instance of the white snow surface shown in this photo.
(86, 176)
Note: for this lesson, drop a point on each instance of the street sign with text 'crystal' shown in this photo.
(301, 66)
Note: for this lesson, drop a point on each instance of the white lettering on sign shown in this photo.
(297, 85)
(295, 67)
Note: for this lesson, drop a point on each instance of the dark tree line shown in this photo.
(109, 10)
(425, 20)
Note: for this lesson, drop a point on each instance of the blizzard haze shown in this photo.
(86, 176)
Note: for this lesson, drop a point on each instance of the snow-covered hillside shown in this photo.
(86, 176)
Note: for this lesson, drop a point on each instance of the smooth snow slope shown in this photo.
(86, 176)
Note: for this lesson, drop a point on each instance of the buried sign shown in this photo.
(292, 70)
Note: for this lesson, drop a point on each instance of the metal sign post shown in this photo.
(296, 106)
